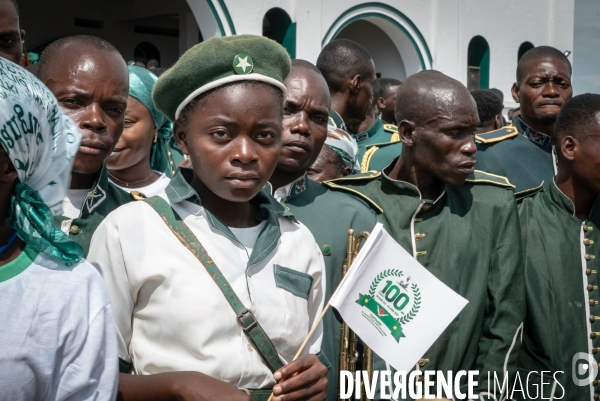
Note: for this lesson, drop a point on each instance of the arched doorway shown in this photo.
(478, 62)
(397, 46)
(146, 51)
(525, 46)
(278, 25)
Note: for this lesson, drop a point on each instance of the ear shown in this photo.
(516, 92)
(406, 129)
(355, 84)
(498, 121)
(569, 147)
(23, 35)
(346, 171)
(180, 136)
(381, 103)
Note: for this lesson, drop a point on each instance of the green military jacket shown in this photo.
(518, 153)
(470, 239)
(328, 215)
(561, 263)
(379, 132)
(103, 198)
(379, 155)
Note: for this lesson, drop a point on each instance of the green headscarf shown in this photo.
(141, 82)
(41, 142)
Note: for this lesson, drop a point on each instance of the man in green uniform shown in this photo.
(459, 223)
(327, 214)
(89, 78)
(385, 98)
(523, 152)
(560, 227)
(489, 109)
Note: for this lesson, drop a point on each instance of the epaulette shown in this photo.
(390, 128)
(338, 184)
(527, 193)
(498, 135)
(487, 178)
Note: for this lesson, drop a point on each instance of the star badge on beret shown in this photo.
(243, 64)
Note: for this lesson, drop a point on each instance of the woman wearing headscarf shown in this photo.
(58, 337)
(337, 157)
(142, 159)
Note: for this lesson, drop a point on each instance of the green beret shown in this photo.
(216, 62)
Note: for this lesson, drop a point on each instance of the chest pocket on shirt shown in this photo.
(296, 282)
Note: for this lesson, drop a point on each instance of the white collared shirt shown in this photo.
(170, 314)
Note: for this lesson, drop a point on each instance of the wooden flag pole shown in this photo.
(308, 336)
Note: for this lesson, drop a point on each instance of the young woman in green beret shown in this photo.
(215, 285)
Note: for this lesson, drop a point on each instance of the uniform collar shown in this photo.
(403, 187)
(97, 195)
(375, 128)
(293, 188)
(564, 202)
(531, 134)
(268, 209)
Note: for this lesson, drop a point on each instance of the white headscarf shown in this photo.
(41, 141)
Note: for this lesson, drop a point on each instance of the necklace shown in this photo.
(127, 183)
(11, 241)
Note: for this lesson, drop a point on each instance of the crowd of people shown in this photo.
(177, 237)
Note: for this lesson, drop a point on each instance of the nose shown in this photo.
(299, 124)
(469, 148)
(244, 150)
(550, 90)
(93, 119)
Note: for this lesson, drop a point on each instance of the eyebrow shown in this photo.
(323, 110)
(232, 123)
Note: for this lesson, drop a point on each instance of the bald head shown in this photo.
(430, 94)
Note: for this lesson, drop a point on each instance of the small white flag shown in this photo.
(393, 303)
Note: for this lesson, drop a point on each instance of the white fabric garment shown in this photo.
(156, 188)
(57, 334)
(248, 236)
(284, 191)
(170, 314)
(74, 201)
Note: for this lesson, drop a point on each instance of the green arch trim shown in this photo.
(370, 12)
(218, 19)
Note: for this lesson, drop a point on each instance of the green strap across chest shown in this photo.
(246, 319)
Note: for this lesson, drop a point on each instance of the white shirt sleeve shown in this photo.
(106, 255)
(93, 373)
(316, 301)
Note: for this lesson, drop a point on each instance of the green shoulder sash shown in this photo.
(245, 318)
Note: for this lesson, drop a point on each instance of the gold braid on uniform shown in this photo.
(364, 165)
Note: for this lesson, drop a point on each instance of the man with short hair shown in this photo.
(459, 223)
(489, 108)
(89, 78)
(386, 97)
(327, 214)
(11, 34)
(349, 72)
(560, 230)
(524, 155)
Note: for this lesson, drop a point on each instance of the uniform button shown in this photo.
(594, 351)
(171, 162)
(588, 272)
(427, 206)
(587, 256)
(597, 396)
(587, 228)
(419, 236)
(326, 250)
(592, 318)
(169, 153)
(74, 230)
(587, 241)
(422, 362)
(250, 347)
(592, 302)
(593, 335)
(590, 287)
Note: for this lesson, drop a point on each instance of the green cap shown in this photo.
(216, 62)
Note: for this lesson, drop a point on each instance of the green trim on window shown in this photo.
(370, 12)
(18, 265)
(216, 15)
(229, 20)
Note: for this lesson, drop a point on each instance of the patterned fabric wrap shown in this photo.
(141, 82)
(41, 142)
(341, 143)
